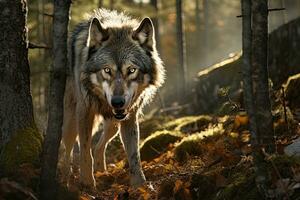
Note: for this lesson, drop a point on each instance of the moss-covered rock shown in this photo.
(292, 91)
(189, 124)
(157, 143)
(191, 145)
(149, 126)
(25, 146)
(242, 186)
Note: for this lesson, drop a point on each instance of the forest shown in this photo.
(149, 99)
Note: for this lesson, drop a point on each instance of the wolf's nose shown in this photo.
(117, 102)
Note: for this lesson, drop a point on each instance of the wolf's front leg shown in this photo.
(85, 125)
(110, 128)
(130, 138)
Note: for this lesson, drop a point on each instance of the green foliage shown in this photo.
(25, 146)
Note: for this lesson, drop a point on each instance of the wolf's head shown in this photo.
(123, 67)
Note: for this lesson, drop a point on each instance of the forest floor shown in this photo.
(198, 157)
(191, 157)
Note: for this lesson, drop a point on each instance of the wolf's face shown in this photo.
(120, 64)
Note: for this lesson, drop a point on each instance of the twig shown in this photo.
(179, 107)
(270, 10)
(275, 9)
(284, 109)
(37, 46)
(48, 15)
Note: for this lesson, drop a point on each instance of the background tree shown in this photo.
(111, 4)
(20, 141)
(264, 118)
(100, 3)
(155, 21)
(56, 99)
(247, 68)
(182, 66)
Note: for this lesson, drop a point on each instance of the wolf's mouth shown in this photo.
(119, 114)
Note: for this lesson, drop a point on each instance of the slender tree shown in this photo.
(56, 99)
(100, 3)
(206, 30)
(197, 17)
(20, 141)
(261, 82)
(155, 21)
(247, 68)
(264, 121)
(182, 66)
(111, 4)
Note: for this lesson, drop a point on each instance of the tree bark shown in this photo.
(264, 121)
(247, 69)
(182, 66)
(155, 21)
(100, 3)
(17, 126)
(56, 96)
(206, 31)
(261, 82)
(111, 4)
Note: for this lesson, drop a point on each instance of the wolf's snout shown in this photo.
(117, 102)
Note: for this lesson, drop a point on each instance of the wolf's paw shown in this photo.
(137, 181)
(88, 183)
(99, 166)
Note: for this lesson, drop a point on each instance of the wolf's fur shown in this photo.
(114, 58)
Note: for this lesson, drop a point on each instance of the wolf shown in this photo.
(115, 70)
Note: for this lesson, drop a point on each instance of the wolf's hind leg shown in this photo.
(110, 129)
(68, 138)
(130, 139)
(69, 132)
(85, 121)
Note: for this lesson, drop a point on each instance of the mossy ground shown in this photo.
(24, 147)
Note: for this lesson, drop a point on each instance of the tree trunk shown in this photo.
(247, 69)
(111, 4)
(56, 97)
(260, 65)
(198, 31)
(206, 30)
(20, 141)
(182, 67)
(100, 3)
(155, 21)
(264, 121)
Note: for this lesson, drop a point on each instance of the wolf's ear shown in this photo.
(97, 34)
(144, 34)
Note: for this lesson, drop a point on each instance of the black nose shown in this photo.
(117, 101)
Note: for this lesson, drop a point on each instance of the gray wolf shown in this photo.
(114, 71)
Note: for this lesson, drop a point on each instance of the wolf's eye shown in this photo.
(131, 70)
(106, 70)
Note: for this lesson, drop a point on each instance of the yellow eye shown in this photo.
(106, 70)
(131, 70)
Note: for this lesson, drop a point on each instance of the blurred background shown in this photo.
(212, 34)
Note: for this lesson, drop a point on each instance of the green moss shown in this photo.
(24, 147)
(149, 126)
(189, 124)
(191, 145)
(242, 186)
(157, 143)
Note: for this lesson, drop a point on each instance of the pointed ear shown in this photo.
(144, 34)
(97, 34)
